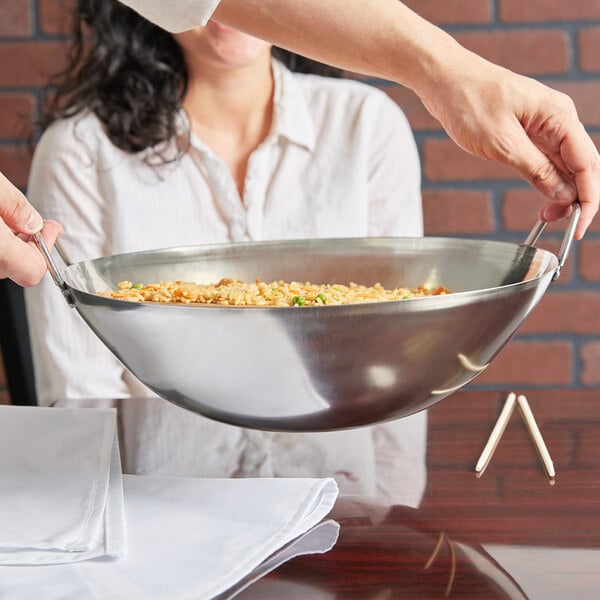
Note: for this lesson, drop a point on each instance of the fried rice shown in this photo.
(233, 292)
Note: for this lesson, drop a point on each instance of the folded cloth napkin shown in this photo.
(190, 539)
(61, 493)
(319, 539)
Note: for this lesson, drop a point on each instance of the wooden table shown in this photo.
(508, 534)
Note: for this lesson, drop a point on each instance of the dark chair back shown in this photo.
(14, 341)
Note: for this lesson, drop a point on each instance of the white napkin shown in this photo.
(319, 539)
(61, 495)
(189, 539)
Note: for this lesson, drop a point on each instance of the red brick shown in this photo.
(482, 407)
(565, 312)
(15, 163)
(530, 363)
(587, 449)
(445, 161)
(520, 208)
(55, 16)
(585, 95)
(30, 63)
(418, 116)
(16, 116)
(529, 51)
(589, 49)
(589, 263)
(536, 11)
(15, 19)
(550, 404)
(449, 212)
(453, 11)
(590, 357)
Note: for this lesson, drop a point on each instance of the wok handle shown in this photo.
(567, 239)
(52, 267)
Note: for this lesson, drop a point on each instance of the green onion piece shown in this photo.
(322, 298)
(298, 301)
(137, 286)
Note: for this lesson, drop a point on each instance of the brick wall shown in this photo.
(556, 41)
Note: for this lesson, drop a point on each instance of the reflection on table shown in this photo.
(508, 534)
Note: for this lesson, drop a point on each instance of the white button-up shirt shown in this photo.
(340, 161)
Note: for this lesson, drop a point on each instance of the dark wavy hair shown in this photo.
(132, 75)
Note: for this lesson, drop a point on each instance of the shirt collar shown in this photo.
(292, 119)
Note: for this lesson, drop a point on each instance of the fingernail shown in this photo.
(35, 222)
(565, 192)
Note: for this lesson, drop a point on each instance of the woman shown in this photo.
(157, 140)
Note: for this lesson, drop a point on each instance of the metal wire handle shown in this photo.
(52, 267)
(565, 247)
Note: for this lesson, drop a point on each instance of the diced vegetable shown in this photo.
(298, 301)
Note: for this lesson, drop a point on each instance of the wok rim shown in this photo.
(98, 299)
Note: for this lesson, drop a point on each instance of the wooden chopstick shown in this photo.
(538, 440)
(496, 434)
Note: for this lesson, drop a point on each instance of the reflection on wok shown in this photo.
(316, 368)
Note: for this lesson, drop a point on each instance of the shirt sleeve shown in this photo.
(175, 15)
(69, 360)
(395, 203)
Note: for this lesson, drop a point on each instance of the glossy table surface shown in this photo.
(508, 534)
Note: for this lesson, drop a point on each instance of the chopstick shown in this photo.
(532, 427)
(497, 431)
(538, 440)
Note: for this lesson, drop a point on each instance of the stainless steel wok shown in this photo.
(316, 368)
